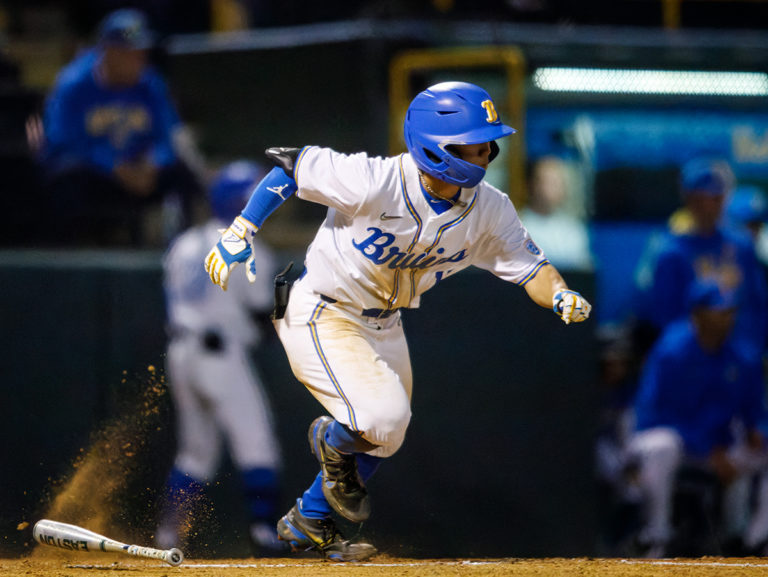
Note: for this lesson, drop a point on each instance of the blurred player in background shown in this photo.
(217, 392)
(747, 210)
(695, 384)
(705, 249)
(112, 142)
(395, 227)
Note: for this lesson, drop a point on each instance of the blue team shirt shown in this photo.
(88, 123)
(727, 257)
(696, 393)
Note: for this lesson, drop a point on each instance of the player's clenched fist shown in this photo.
(234, 247)
(571, 306)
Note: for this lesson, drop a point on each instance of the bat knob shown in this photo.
(175, 557)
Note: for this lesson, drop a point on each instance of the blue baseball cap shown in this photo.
(127, 28)
(706, 176)
(707, 294)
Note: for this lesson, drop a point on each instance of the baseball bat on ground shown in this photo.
(76, 538)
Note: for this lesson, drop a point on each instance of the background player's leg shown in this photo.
(199, 445)
(262, 492)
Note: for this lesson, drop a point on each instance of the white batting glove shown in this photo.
(234, 246)
(571, 306)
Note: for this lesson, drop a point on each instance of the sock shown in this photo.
(344, 440)
(367, 465)
(312, 503)
(181, 487)
(182, 494)
(260, 488)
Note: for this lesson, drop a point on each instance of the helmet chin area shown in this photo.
(458, 172)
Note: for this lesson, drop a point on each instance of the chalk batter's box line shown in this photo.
(435, 563)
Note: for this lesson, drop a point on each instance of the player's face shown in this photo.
(477, 154)
(706, 210)
(124, 65)
(713, 326)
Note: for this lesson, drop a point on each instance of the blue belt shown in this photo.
(376, 313)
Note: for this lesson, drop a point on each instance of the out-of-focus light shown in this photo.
(619, 81)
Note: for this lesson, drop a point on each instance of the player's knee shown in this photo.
(387, 432)
(658, 446)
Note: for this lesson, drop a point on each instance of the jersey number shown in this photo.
(491, 110)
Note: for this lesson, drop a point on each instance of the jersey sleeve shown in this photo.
(334, 179)
(667, 294)
(66, 140)
(508, 251)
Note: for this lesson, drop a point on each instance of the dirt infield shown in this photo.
(108, 565)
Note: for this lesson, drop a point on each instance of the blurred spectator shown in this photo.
(217, 392)
(560, 233)
(747, 210)
(111, 143)
(695, 383)
(704, 249)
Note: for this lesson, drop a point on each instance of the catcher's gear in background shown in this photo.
(571, 306)
(452, 113)
(234, 247)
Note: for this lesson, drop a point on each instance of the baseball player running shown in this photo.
(395, 228)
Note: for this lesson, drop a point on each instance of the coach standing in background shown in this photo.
(109, 145)
(704, 250)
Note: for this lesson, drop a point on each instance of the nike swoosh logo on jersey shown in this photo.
(385, 216)
(278, 190)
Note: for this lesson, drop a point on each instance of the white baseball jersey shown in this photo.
(196, 305)
(381, 246)
(217, 392)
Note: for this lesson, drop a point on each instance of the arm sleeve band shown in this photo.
(270, 193)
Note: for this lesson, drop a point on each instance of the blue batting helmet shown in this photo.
(232, 186)
(451, 113)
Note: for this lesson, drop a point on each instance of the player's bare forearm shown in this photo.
(545, 284)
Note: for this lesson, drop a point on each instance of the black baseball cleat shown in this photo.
(320, 535)
(342, 486)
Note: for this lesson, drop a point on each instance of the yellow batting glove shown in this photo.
(571, 306)
(234, 247)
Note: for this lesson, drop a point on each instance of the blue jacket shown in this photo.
(87, 123)
(727, 257)
(698, 393)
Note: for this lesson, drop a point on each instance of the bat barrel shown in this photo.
(74, 538)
